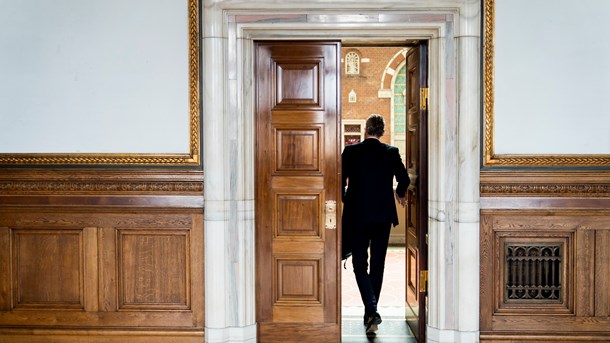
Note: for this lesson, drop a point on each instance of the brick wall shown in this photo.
(367, 85)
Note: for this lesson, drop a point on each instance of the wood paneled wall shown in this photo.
(545, 256)
(101, 256)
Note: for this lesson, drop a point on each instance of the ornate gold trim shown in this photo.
(550, 189)
(193, 158)
(93, 159)
(488, 79)
(492, 159)
(24, 181)
(587, 184)
(94, 187)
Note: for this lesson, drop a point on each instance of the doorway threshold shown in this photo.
(391, 307)
(393, 329)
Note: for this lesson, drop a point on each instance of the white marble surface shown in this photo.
(230, 26)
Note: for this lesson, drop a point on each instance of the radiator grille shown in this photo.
(533, 272)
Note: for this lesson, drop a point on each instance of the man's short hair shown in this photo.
(375, 125)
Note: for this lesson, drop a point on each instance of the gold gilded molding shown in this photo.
(517, 160)
(573, 190)
(563, 183)
(488, 79)
(193, 158)
(26, 181)
(94, 187)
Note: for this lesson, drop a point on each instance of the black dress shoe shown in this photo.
(371, 324)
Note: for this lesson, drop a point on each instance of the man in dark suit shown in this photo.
(368, 171)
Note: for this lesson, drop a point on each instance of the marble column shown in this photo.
(469, 168)
(454, 217)
(458, 222)
(228, 165)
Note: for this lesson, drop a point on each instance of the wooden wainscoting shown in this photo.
(101, 256)
(545, 256)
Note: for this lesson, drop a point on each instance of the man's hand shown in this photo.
(401, 200)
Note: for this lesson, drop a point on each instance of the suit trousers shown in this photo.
(374, 236)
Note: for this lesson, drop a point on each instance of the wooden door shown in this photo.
(417, 197)
(297, 191)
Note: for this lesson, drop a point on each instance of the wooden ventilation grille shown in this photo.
(533, 273)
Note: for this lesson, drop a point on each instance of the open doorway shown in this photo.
(385, 79)
(228, 100)
(297, 161)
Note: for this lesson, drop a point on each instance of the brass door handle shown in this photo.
(330, 214)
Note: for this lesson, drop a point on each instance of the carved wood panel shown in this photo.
(305, 94)
(298, 214)
(545, 271)
(48, 268)
(412, 281)
(566, 211)
(298, 280)
(100, 270)
(532, 270)
(601, 270)
(5, 269)
(297, 157)
(153, 269)
(298, 150)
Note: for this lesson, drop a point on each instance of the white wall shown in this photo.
(552, 77)
(94, 76)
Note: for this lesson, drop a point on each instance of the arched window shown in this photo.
(352, 63)
(352, 96)
(399, 109)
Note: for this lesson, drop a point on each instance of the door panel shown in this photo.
(417, 197)
(297, 169)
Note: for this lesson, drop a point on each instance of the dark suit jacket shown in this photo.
(369, 168)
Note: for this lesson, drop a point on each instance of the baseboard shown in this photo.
(567, 337)
(31, 335)
(246, 334)
(434, 335)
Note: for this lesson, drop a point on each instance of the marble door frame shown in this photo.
(453, 29)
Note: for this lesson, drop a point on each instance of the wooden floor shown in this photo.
(391, 304)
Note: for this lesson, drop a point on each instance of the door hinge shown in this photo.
(423, 281)
(423, 98)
